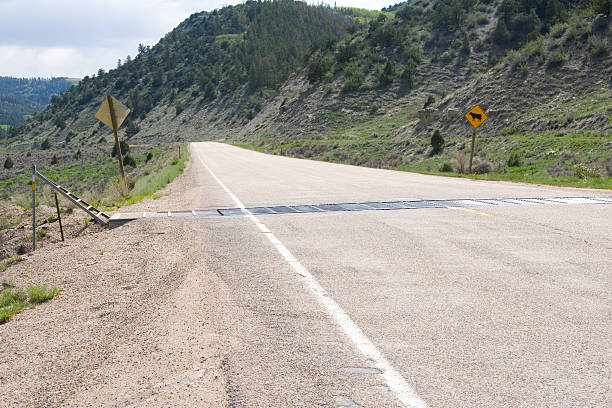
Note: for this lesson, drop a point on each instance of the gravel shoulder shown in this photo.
(133, 326)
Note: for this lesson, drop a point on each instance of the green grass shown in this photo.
(13, 259)
(251, 146)
(522, 177)
(13, 300)
(147, 185)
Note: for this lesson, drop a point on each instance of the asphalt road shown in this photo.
(484, 307)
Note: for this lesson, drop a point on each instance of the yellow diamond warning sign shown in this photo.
(476, 117)
(112, 110)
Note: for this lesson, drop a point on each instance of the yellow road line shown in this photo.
(470, 211)
(360, 186)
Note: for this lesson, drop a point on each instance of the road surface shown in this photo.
(485, 306)
(503, 306)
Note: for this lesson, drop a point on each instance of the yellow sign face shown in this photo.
(476, 117)
(104, 113)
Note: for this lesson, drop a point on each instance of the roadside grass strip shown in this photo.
(13, 300)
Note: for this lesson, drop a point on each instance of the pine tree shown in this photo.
(437, 142)
(8, 163)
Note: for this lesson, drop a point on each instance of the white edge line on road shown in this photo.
(392, 377)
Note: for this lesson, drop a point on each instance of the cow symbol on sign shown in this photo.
(476, 117)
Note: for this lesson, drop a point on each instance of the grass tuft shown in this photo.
(13, 300)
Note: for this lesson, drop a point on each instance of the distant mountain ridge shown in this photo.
(25, 96)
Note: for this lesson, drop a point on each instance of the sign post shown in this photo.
(112, 113)
(476, 117)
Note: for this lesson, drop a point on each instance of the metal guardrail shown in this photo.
(99, 216)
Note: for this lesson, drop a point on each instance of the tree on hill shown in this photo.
(8, 163)
(437, 142)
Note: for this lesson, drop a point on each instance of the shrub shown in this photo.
(558, 30)
(129, 161)
(149, 157)
(409, 73)
(179, 109)
(54, 160)
(514, 160)
(430, 100)
(446, 168)
(460, 163)
(482, 19)
(480, 166)
(386, 75)
(557, 60)
(125, 149)
(584, 172)
(437, 142)
(597, 46)
(46, 144)
(374, 108)
(131, 129)
(353, 78)
(317, 69)
(8, 163)
(602, 7)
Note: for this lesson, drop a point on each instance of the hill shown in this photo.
(20, 97)
(366, 88)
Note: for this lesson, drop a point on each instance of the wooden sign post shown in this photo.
(476, 117)
(112, 113)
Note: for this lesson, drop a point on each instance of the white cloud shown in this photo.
(75, 38)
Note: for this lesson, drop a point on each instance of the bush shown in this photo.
(437, 142)
(125, 149)
(584, 172)
(446, 168)
(131, 129)
(409, 73)
(460, 163)
(514, 160)
(149, 157)
(602, 7)
(597, 46)
(54, 160)
(129, 161)
(480, 166)
(318, 69)
(46, 144)
(8, 163)
(557, 60)
(387, 74)
(430, 100)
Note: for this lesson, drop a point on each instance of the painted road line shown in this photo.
(396, 383)
(469, 211)
(362, 186)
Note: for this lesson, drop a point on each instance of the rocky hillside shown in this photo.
(367, 87)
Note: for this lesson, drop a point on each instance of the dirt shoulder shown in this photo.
(133, 325)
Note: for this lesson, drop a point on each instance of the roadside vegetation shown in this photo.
(14, 300)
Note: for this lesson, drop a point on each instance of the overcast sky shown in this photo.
(74, 38)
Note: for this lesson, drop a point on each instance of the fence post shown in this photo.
(59, 216)
(33, 207)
